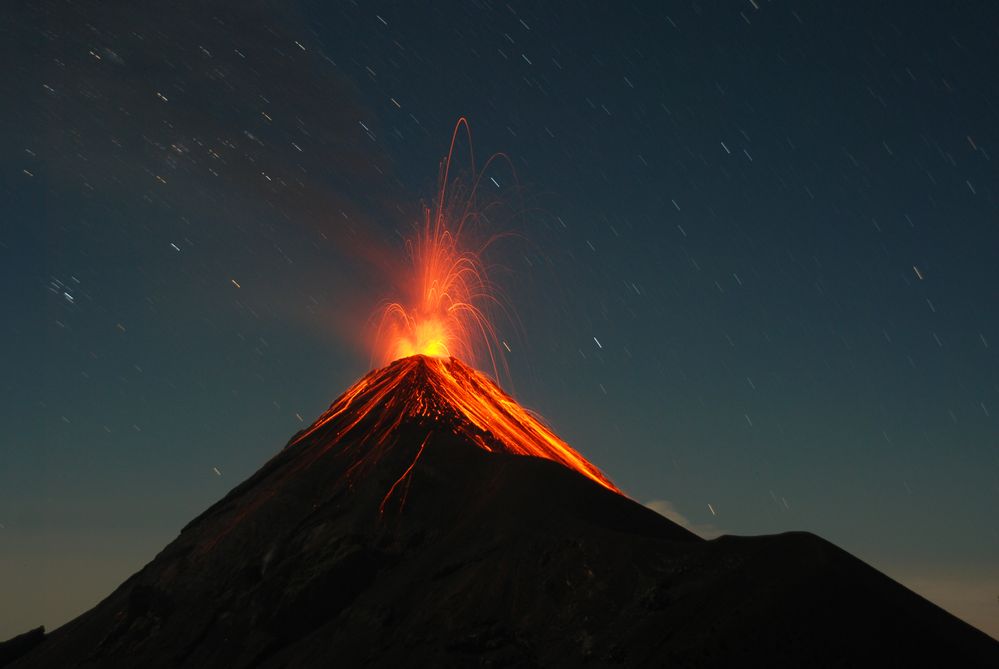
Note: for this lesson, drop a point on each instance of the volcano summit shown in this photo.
(426, 519)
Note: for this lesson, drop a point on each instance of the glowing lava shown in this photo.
(440, 395)
(444, 317)
(449, 292)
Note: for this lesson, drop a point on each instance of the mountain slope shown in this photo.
(404, 529)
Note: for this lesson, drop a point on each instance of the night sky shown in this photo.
(755, 259)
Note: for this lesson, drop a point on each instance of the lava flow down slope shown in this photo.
(427, 519)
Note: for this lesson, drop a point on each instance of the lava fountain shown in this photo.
(450, 298)
(421, 342)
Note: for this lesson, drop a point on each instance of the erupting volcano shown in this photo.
(427, 519)
(445, 316)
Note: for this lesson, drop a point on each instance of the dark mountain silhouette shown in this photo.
(14, 648)
(407, 528)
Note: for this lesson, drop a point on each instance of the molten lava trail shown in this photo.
(452, 396)
(404, 477)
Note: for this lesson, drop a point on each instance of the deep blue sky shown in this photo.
(780, 222)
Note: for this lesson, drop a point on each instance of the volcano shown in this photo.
(427, 519)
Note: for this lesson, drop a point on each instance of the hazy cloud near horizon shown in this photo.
(666, 509)
(972, 597)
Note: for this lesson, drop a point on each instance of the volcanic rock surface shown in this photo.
(401, 530)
